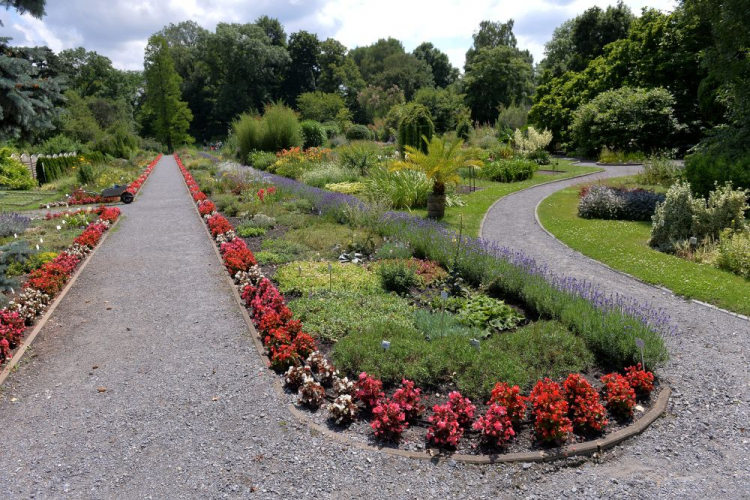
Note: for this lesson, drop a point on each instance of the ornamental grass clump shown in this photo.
(550, 411)
(495, 426)
(619, 395)
(586, 411)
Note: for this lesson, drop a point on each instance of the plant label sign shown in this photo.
(385, 345)
(474, 343)
(640, 344)
(444, 295)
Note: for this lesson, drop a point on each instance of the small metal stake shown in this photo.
(640, 344)
(330, 277)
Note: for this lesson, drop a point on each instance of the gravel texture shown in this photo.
(701, 448)
(189, 410)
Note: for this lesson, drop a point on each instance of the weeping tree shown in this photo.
(169, 115)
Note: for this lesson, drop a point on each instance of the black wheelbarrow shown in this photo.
(117, 191)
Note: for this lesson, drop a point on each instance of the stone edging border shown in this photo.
(628, 275)
(8, 368)
(578, 449)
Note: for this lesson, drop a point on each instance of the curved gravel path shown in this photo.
(701, 449)
(189, 410)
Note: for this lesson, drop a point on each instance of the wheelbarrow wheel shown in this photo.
(127, 197)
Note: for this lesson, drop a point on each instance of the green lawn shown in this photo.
(479, 202)
(623, 246)
(14, 201)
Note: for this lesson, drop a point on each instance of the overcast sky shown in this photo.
(119, 29)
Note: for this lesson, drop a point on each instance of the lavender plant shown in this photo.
(13, 223)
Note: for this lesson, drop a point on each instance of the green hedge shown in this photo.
(51, 169)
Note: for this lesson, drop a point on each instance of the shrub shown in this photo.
(408, 398)
(320, 106)
(369, 390)
(619, 395)
(734, 253)
(603, 202)
(60, 143)
(673, 219)
(531, 141)
(359, 156)
(415, 126)
(281, 128)
(13, 173)
(119, 141)
(462, 407)
(262, 221)
(346, 187)
(511, 399)
(86, 174)
(550, 410)
(464, 129)
(247, 231)
(313, 134)
(495, 426)
(12, 223)
(388, 420)
(660, 169)
(626, 119)
(615, 156)
(640, 380)
(445, 429)
(514, 170)
(328, 173)
(396, 276)
(586, 411)
(704, 169)
(261, 160)
(248, 128)
(358, 133)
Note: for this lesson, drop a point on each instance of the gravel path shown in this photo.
(702, 448)
(189, 410)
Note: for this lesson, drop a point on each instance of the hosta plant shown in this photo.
(495, 426)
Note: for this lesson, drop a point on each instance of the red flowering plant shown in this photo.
(218, 225)
(49, 279)
(509, 397)
(640, 380)
(619, 395)
(369, 390)
(237, 257)
(12, 326)
(550, 410)
(388, 420)
(206, 208)
(445, 429)
(463, 408)
(277, 337)
(91, 235)
(283, 356)
(495, 426)
(304, 345)
(586, 410)
(4, 350)
(409, 399)
(67, 261)
(109, 214)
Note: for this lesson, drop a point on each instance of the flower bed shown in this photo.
(556, 412)
(47, 281)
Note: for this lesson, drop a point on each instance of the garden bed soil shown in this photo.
(549, 172)
(464, 189)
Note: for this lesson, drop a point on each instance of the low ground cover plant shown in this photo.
(604, 202)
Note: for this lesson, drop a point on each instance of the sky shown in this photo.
(119, 29)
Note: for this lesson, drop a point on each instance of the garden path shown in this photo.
(702, 447)
(189, 410)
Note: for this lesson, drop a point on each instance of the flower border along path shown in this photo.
(48, 285)
(270, 314)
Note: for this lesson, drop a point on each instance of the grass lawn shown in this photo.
(14, 201)
(478, 202)
(623, 246)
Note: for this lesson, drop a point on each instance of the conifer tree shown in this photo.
(169, 114)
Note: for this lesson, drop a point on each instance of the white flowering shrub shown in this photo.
(532, 141)
(342, 409)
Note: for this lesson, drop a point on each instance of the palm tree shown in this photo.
(440, 164)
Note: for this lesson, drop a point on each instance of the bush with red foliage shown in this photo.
(50, 278)
(388, 420)
(640, 380)
(586, 410)
(284, 356)
(304, 345)
(495, 426)
(550, 410)
(463, 408)
(91, 235)
(237, 257)
(109, 214)
(511, 398)
(12, 326)
(369, 390)
(619, 395)
(218, 224)
(445, 429)
(409, 399)
(206, 208)
(68, 262)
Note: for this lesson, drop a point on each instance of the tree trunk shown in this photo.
(436, 205)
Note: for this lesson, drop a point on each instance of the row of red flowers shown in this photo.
(556, 411)
(81, 197)
(47, 281)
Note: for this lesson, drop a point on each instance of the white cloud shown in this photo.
(119, 29)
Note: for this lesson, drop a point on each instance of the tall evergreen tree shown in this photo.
(169, 114)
